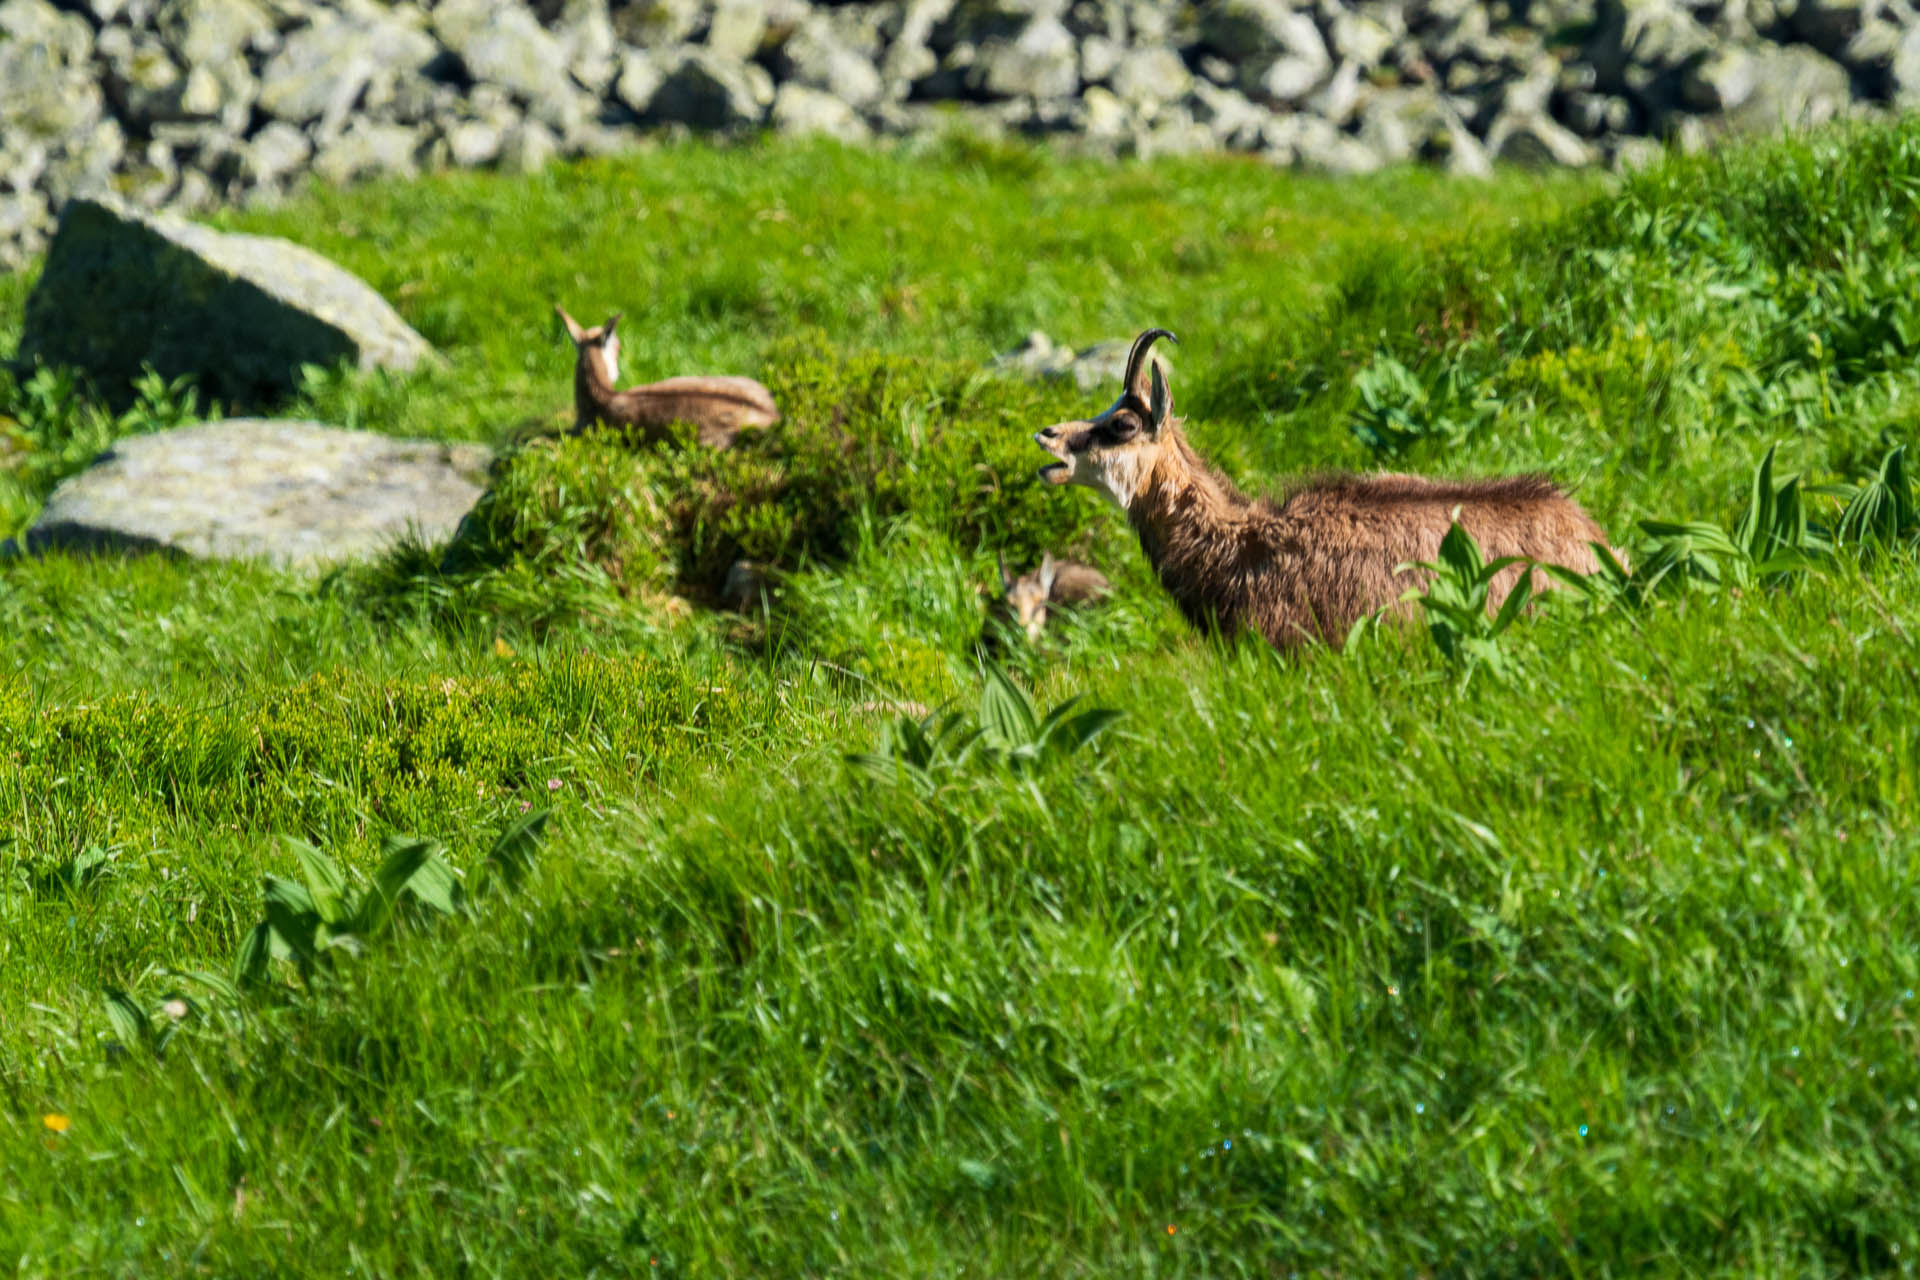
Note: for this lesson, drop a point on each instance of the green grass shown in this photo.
(1598, 958)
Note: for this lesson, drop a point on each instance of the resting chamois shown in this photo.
(1024, 600)
(720, 406)
(1310, 566)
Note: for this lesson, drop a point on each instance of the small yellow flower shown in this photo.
(56, 1122)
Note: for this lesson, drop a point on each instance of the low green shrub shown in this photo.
(567, 523)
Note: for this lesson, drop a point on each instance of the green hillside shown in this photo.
(1589, 949)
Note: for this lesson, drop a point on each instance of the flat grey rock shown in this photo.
(241, 313)
(299, 494)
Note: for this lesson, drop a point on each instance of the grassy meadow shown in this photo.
(503, 907)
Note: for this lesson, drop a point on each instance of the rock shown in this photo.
(1107, 118)
(1337, 99)
(1794, 87)
(1406, 124)
(242, 313)
(1592, 115)
(369, 150)
(1148, 77)
(528, 147)
(657, 23)
(1642, 41)
(584, 33)
(1101, 365)
(1236, 123)
(798, 109)
(1829, 25)
(1313, 144)
(210, 31)
(142, 79)
(640, 77)
(321, 70)
(1099, 57)
(298, 494)
(1632, 154)
(1903, 75)
(65, 37)
(502, 44)
(702, 89)
(1720, 81)
(1283, 57)
(815, 57)
(473, 143)
(1537, 141)
(51, 93)
(1043, 62)
(277, 151)
(1362, 39)
(737, 28)
(24, 219)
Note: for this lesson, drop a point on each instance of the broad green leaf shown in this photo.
(131, 1026)
(326, 884)
(1006, 713)
(511, 857)
(405, 856)
(1517, 599)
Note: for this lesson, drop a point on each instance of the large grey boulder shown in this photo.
(242, 313)
(296, 493)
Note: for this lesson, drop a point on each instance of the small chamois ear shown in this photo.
(1161, 406)
(1048, 571)
(574, 330)
(1006, 579)
(606, 330)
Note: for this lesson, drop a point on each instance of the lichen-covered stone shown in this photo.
(121, 289)
(299, 494)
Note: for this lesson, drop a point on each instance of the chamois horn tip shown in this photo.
(1138, 354)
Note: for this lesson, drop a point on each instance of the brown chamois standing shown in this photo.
(1056, 582)
(1311, 565)
(720, 406)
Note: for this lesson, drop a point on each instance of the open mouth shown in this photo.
(1054, 472)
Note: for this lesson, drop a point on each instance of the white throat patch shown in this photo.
(1118, 477)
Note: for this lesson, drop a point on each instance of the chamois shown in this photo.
(1326, 555)
(720, 406)
(1056, 582)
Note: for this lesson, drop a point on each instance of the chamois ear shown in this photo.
(574, 330)
(1160, 406)
(606, 330)
(1006, 579)
(1048, 571)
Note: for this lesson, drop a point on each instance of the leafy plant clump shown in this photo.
(568, 523)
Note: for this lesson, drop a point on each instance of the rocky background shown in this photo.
(189, 103)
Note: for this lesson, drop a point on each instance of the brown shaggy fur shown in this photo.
(1311, 565)
(720, 406)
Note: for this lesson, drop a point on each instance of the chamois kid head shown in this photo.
(1116, 451)
(599, 347)
(1026, 596)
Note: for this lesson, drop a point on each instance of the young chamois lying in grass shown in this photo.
(1024, 600)
(720, 406)
(1310, 566)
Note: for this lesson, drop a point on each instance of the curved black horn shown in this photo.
(1138, 356)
